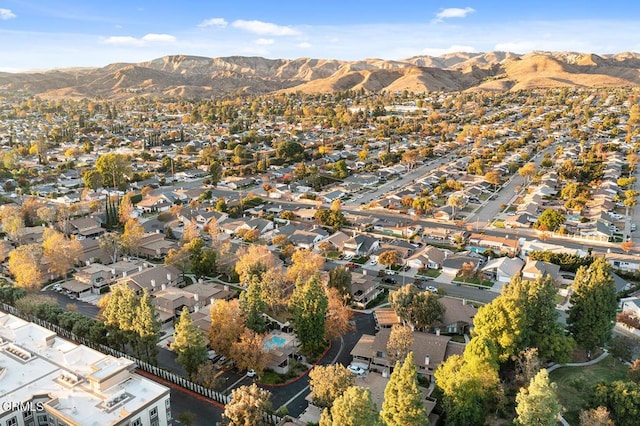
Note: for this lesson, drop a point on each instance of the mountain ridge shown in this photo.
(202, 77)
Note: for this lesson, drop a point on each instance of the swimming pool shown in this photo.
(274, 342)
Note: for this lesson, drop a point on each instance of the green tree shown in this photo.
(340, 279)
(550, 220)
(215, 173)
(502, 321)
(593, 305)
(308, 305)
(353, 408)
(328, 382)
(621, 398)
(114, 168)
(403, 398)
(253, 306)
(542, 330)
(538, 404)
(92, 179)
(471, 387)
(420, 309)
(248, 406)
(189, 343)
(147, 327)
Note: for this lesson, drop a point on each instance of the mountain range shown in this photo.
(201, 77)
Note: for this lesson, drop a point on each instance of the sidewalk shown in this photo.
(602, 356)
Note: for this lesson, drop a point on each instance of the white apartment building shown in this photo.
(47, 380)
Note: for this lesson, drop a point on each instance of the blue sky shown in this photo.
(67, 33)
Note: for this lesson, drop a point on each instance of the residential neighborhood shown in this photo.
(220, 226)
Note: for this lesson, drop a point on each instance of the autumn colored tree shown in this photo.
(248, 406)
(304, 263)
(248, 352)
(627, 246)
(60, 252)
(24, 265)
(189, 343)
(400, 340)
(227, 325)
(125, 209)
(254, 260)
(599, 416)
(338, 315)
(527, 172)
(389, 258)
(328, 382)
(132, 236)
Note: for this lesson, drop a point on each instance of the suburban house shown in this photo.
(170, 301)
(481, 242)
(153, 279)
(456, 262)
(361, 245)
(502, 269)
(624, 261)
(307, 239)
(337, 240)
(85, 227)
(527, 246)
(364, 289)
(429, 257)
(535, 269)
(96, 275)
(429, 351)
(458, 316)
(155, 245)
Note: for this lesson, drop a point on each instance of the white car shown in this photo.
(432, 289)
(390, 272)
(251, 373)
(373, 262)
(356, 370)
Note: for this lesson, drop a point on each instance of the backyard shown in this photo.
(575, 383)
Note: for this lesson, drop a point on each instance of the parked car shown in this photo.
(388, 280)
(390, 272)
(373, 262)
(57, 287)
(432, 289)
(348, 257)
(356, 370)
(633, 227)
(251, 373)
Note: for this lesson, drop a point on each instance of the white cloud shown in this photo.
(265, 41)
(264, 28)
(146, 39)
(125, 40)
(213, 22)
(6, 14)
(454, 12)
(161, 38)
(437, 51)
(304, 45)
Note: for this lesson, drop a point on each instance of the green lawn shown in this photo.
(575, 383)
(476, 281)
(333, 255)
(433, 273)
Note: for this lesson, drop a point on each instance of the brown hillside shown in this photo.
(194, 76)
